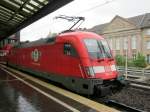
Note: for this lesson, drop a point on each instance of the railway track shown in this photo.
(133, 98)
(139, 85)
(117, 105)
(121, 106)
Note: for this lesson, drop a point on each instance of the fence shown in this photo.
(134, 71)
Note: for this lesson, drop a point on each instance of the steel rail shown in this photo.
(121, 106)
(139, 85)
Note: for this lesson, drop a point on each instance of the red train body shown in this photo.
(81, 61)
(4, 52)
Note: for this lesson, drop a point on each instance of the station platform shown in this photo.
(20, 92)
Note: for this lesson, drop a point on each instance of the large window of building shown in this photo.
(125, 43)
(110, 43)
(117, 43)
(133, 42)
(147, 31)
(134, 56)
(148, 45)
(148, 58)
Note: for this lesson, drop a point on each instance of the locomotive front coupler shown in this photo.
(109, 87)
(121, 80)
(102, 90)
(118, 84)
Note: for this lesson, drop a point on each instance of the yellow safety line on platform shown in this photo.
(44, 93)
(92, 104)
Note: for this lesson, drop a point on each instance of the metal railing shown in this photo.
(139, 72)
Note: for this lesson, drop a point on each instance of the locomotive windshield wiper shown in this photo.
(101, 49)
(105, 53)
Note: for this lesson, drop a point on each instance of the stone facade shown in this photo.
(127, 34)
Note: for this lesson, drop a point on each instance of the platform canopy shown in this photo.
(17, 14)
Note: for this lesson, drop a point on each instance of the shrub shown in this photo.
(140, 61)
(131, 63)
(120, 60)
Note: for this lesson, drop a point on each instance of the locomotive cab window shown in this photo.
(69, 50)
(97, 48)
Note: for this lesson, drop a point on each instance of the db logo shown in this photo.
(35, 55)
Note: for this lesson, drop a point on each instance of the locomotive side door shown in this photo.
(71, 61)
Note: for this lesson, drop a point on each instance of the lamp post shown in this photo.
(126, 63)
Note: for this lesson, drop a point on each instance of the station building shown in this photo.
(13, 39)
(131, 35)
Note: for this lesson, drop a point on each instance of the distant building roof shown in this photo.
(141, 21)
(98, 28)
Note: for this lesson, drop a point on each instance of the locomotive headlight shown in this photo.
(98, 69)
(90, 71)
(113, 67)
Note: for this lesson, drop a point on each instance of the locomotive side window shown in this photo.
(69, 50)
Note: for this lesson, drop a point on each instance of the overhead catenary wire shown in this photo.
(92, 8)
(97, 6)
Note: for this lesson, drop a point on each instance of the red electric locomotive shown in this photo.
(4, 52)
(81, 61)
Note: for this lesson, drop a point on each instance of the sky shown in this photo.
(95, 12)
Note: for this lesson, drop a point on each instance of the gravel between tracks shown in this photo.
(130, 96)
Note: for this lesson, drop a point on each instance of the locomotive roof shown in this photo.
(50, 40)
(37, 42)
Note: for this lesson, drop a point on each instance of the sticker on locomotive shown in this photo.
(35, 55)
